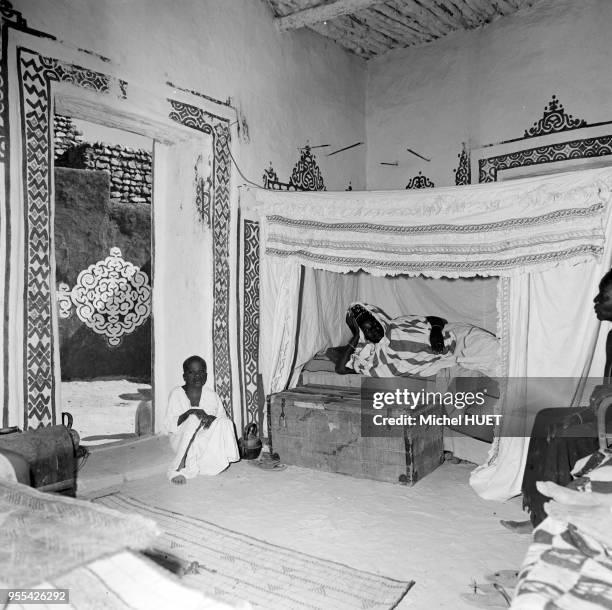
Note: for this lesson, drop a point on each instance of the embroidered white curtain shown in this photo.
(551, 331)
(498, 229)
(544, 237)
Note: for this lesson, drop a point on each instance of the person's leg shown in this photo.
(552, 453)
(181, 470)
(216, 447)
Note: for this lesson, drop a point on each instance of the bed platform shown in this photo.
(319, 427)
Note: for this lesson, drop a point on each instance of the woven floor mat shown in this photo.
(233, 566)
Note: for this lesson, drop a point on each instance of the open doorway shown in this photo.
(102, 228)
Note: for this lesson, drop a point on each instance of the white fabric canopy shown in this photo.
(490, 229)
(544, 236)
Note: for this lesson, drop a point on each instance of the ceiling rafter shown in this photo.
(346, 40)
(361, 26)
(471, 15)
(504, 6)
(425, 18)
(406, 23)
(483, 8)
(381, 19)
(360, 35)
(444, 16)
(372, 21)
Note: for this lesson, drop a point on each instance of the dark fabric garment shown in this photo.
(554, 450)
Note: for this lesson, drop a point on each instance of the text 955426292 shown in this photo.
(34, 596)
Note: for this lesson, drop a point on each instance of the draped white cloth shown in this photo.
(545, 237)
(490, 229)
(551, 331)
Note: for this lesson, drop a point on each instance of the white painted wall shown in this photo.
(291, 87)
(485, 86)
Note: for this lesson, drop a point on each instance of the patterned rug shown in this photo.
(233, 566)
(51, 534)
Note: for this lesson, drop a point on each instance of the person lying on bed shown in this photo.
(200, 432)
(386, 347)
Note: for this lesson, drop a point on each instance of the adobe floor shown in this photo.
(438, 533)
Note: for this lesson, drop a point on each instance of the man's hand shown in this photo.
(207, 420)
(436, 338)
(600, 392)
(352, 323)
(199, 413)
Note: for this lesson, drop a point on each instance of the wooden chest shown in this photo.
(320, 427)
(51, 454)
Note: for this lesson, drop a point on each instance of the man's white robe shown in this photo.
(213, 448)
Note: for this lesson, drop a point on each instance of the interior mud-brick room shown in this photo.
(257, 242)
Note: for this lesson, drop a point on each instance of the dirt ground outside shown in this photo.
(104, 411)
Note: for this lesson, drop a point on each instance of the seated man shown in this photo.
(200, 432)
(562, 436)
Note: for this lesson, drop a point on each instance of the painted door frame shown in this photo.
(39, 76)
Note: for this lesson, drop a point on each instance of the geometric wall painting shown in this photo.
(217, 127)
(306, 175)
(554, 120)
(420, 182)
(111, 297)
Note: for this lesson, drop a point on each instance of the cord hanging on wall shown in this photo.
(242, 129)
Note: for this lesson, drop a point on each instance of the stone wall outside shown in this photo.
(130, 170)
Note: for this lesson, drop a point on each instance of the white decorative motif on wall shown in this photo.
(64, 301)
(111, 297)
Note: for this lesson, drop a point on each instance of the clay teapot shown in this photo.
(250, 444)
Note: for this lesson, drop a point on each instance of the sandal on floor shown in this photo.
(505, 578)
(269, 465)
(518, 527)
(269, 462)
(485, 598)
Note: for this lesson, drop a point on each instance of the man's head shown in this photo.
(372, 329)
(603, 299)
(194, 371)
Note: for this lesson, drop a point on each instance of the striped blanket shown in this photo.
(404, 349)
(569, 564)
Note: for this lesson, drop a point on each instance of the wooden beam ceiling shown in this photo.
(370, 28)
